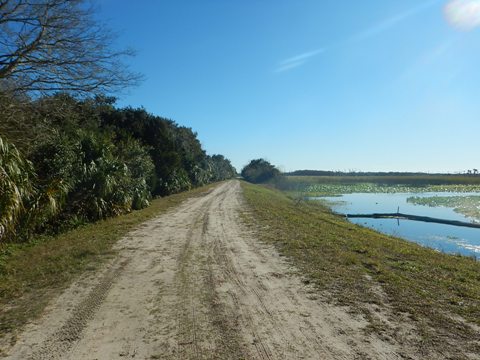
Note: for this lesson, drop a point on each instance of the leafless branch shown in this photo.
(57, 45)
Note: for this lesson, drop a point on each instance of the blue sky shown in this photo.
(313, 84)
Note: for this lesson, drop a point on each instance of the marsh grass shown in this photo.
(335, 185)
(440, 293)
(31, 274)
(465, 205)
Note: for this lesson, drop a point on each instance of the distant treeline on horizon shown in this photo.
(367, 173)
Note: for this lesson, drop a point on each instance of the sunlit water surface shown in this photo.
(445, 238)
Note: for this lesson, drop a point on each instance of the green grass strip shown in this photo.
(349, 263)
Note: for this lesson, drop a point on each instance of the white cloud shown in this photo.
(297, 60)
(392, 21)
(302, 57)
(463, 14)
(293, 65)
(382, 26)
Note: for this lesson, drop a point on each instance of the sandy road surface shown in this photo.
(194, 283)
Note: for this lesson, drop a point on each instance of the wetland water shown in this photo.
(445, 238)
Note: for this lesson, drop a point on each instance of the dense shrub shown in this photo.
(85, 160)
(16, 188)
(259, 171)
(221, 168)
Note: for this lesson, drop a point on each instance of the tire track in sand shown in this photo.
(195, 283)
(62, 340)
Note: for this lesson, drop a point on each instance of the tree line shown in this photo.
(68, 155)
(66, 161)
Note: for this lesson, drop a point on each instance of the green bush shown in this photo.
(85, 160)
(259, 171)
(16, 188)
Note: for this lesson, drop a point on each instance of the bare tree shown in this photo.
(57, 45)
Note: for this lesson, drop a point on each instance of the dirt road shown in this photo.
(196, 284)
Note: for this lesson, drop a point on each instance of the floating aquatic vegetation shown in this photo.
(335, 189)
(468, 205)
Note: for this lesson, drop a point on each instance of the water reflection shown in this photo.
(445, 238)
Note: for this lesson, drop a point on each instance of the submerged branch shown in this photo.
(414, 218)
